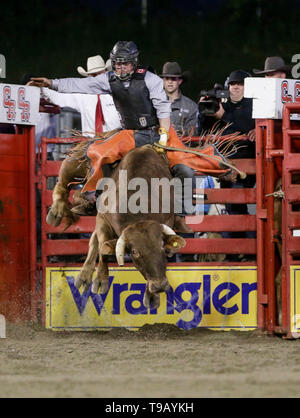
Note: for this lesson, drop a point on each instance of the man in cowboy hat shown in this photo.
(274, 67)
(98, 112)
(184, 111)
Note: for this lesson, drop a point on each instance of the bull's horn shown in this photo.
(167, 230)
(120, 250)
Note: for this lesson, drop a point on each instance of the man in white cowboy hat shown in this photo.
(274, 67)
(184, 115)
(98, 112)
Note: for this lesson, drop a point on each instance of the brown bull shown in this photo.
(147, 237)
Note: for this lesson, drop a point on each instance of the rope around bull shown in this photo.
(200, 154)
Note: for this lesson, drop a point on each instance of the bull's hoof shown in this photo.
(103, 285)
(151, 300)
(95, 286)
(82, 282)
(53, 219)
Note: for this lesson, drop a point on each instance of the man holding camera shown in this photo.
(237, 111)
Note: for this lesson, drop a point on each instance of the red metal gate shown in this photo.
(59, 249)
(17, 224)
(278, 146)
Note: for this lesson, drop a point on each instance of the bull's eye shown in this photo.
(134, 252)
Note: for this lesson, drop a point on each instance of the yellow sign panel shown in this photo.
(295, 299)
(213, 297)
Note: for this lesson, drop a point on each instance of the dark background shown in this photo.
(209, 38)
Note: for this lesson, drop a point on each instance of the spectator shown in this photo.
(184, 113)
(274, 67)
(98, 112)
(238, 112)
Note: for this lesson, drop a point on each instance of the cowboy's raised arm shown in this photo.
(92, 85)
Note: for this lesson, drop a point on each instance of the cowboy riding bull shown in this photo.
(145, 117)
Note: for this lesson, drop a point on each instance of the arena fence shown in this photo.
(61, 248)
(23, 288)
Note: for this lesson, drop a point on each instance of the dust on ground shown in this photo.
(157, 361)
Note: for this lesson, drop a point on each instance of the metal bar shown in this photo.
(269, 259)
(219, 223)
(285, 274)
(66, 246)
(220, 246)
(260, 130)
(226, 196)
(35, 297)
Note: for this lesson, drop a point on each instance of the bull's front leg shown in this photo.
(102, 276)
(86, 273)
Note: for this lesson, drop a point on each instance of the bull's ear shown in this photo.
(181, 226)
(173, 243)
(108, 247)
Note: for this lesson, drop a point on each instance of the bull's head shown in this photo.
(148, 243)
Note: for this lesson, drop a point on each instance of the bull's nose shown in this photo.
(159, 286)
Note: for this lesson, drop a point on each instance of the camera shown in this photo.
(213, 97)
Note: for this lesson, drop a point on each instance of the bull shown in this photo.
(147, 237)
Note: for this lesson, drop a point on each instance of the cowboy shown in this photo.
(274, 67)
(184, 110)
(140, 98)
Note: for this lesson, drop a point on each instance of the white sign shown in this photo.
(19, 104)
(270, 94)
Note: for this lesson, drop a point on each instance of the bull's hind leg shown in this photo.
(86, 273)
(61, 207)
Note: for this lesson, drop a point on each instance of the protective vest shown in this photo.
(133, 102)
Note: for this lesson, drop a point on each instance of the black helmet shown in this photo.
(124, 51)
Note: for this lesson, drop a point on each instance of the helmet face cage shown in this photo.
(124, 51)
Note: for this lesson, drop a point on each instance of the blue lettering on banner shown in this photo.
(133, 303)
(81, 300)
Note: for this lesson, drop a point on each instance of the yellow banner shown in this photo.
(223, 298)
(295, 299)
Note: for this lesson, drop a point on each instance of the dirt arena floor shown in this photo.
(157, 361)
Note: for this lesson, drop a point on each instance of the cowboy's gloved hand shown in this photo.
(163, 136)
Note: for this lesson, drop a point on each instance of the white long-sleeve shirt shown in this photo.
(86, 104)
